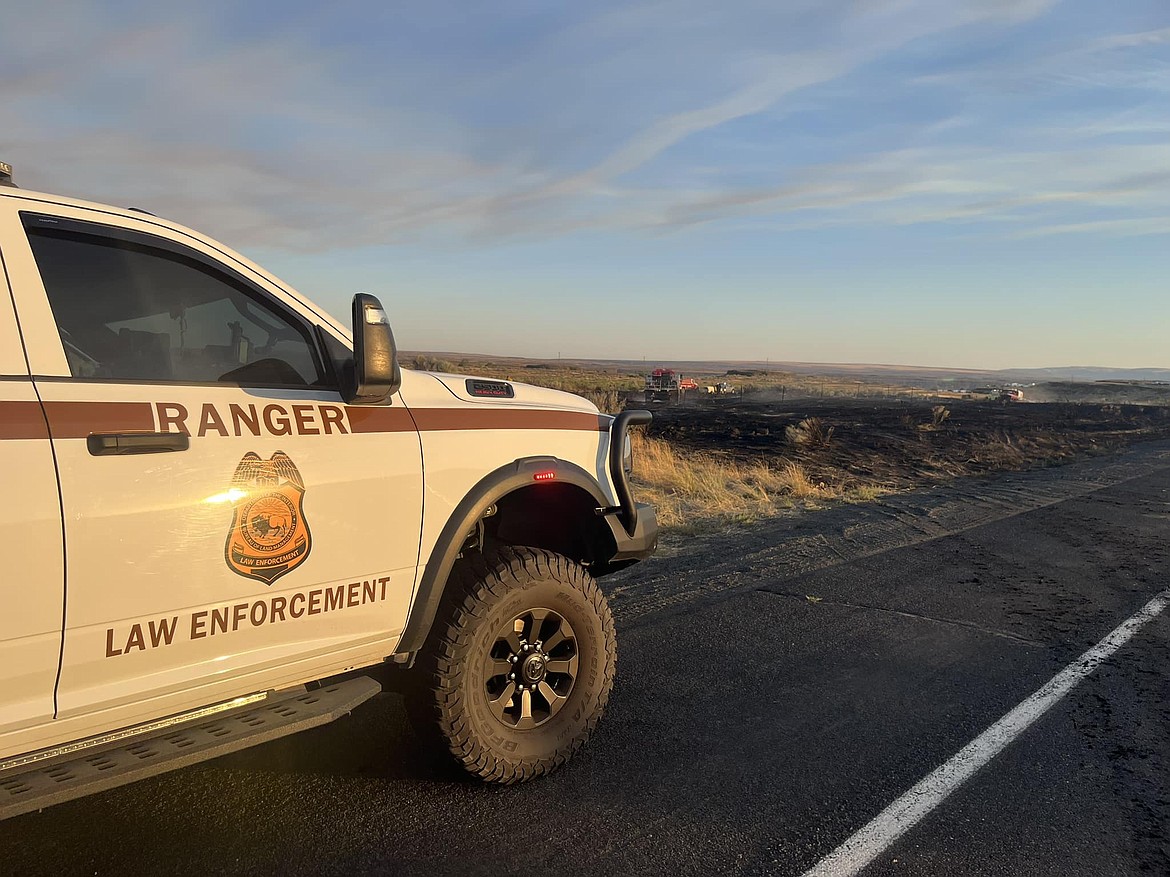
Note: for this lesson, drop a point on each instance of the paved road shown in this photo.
(776, 692)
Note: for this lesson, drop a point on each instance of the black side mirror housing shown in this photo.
(376, 373)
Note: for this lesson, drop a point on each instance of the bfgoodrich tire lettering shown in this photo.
(492, 616)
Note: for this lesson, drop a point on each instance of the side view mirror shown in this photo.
(376, 374)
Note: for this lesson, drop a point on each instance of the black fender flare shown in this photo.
(489, 490)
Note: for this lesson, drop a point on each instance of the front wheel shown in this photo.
(519, 665)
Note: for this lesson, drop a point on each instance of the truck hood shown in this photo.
(495, 391)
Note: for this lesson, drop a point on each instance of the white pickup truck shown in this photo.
(224, 510)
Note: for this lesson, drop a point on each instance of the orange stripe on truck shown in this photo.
(22, 420)
(378, 418)
(79, 419)
(71, 420)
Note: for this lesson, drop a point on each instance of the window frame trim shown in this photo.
(247, 287)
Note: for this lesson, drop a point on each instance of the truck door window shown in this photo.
(127, 310)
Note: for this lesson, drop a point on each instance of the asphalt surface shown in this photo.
(777, 688)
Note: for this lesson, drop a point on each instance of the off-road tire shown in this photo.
(449, 704)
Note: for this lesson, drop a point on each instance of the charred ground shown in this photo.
(899, 443)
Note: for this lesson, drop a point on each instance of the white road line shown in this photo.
(876, 837)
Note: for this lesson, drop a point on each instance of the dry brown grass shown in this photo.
(809, 433)
(697, 488)
(607, 401)
(863, 493)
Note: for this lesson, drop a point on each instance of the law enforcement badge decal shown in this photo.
(269, 535)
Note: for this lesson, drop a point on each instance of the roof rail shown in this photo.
(6, 175)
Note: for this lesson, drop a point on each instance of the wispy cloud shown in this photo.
(1132, 40)
(308, 139)
(1113, 227)
(957, 185)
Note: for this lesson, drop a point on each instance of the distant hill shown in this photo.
(1093, 373)
(908, 375)
(1101, 392)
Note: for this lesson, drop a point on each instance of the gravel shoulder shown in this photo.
(715, 564)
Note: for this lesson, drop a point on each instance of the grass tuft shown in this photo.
(690, 488)
(607, 401)
(809, 433)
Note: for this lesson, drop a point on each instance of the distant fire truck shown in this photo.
(667, 385)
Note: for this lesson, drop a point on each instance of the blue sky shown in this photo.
(934, 182)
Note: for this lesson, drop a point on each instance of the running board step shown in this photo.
(65, 777)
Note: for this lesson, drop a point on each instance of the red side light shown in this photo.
(545, 476)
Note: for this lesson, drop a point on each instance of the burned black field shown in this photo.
(900, 443)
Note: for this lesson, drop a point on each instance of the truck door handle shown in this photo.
(102, 444)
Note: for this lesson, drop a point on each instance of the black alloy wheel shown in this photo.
(518, 666)
(531, 668)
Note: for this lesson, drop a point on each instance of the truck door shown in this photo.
(231, 525)
(32, 586)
